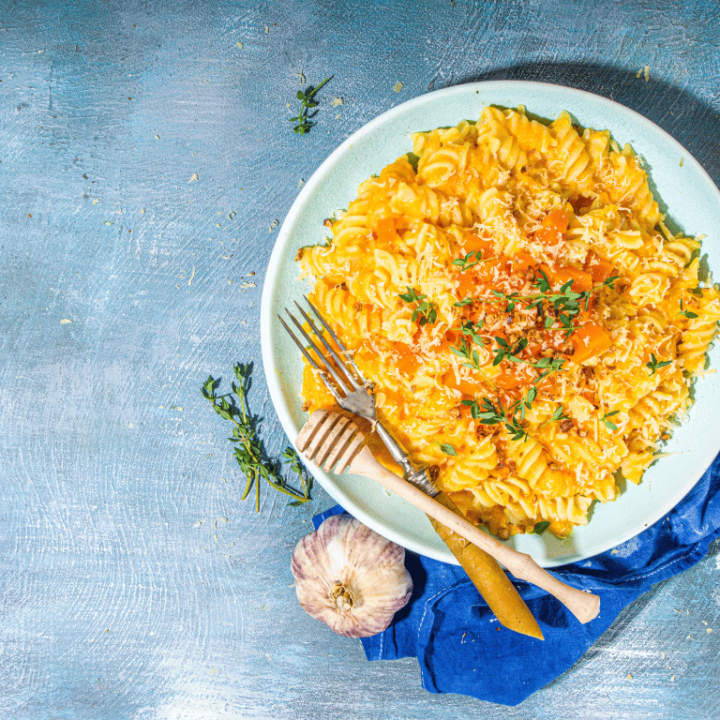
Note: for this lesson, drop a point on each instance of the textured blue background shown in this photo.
(133, 583)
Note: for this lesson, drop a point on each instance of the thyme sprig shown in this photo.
(249, 451)
(505, 351)
(493, 413)
(471, 357)
(557, 416)
(470, 260)
(609, 425)
(689, 314)
(467, 328)
(425, 312)
(304, 117)
(654, 365)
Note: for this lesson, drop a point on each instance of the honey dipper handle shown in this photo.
(584, 606)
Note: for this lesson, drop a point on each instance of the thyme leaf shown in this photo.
(555, 417)
(609, 425)
(540, 527)
(687, 313)
(470, 260)
(446, 448)
(655, 364)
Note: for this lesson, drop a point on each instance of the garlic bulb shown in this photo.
(350, 578)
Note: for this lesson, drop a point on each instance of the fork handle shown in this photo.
(417, 476)
(584, 606)
(395, 449)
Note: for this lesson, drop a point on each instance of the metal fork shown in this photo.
(351, 390)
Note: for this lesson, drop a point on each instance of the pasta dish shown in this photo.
(530, 323)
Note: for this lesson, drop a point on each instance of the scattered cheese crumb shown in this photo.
(66, 321)
(301, 183)
(398, 87)
(248, 285)
(267, 29)
(336, 102)
(708, 630)
(337, 117)
(95, 201)
(614, 552)
(682, 161)
(301, 75)
(194, 178)
(142, 211)
(157, 137)
(644, 73)
(672, 679)
(629, 676)
(239, 44)
(273, 225)
(192, 276)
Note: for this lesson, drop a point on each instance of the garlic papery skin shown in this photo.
(350, 578)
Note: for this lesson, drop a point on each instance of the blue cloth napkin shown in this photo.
(463, 649)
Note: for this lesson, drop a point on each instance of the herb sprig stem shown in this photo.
(304, 117)
(249, 451)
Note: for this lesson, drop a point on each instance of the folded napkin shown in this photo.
(463, 649)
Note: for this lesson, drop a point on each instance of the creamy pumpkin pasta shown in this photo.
(530, 324)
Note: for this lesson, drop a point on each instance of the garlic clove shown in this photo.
(350, 578)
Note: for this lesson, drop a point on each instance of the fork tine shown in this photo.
(337, 340)
(327, 365)
(330, 349)
(310, 359)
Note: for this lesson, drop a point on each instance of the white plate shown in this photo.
(679, 181)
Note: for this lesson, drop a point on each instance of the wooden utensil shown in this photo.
(332, 441)
(488, 577)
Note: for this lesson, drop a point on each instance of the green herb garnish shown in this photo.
(446, 448)
(566, 302)
(505, 351)
(488, 414)
(604, 420)
(470, 330)
(249, 451)
(540, 528)
(463, 302)
(655, 364)
(425, 312)
(687, 313)
(470, 356)
(555, 417)
(304, 117)
(470, 260)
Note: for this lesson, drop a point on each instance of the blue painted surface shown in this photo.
(134, 582)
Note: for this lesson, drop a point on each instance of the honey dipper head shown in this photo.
(329, 440)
